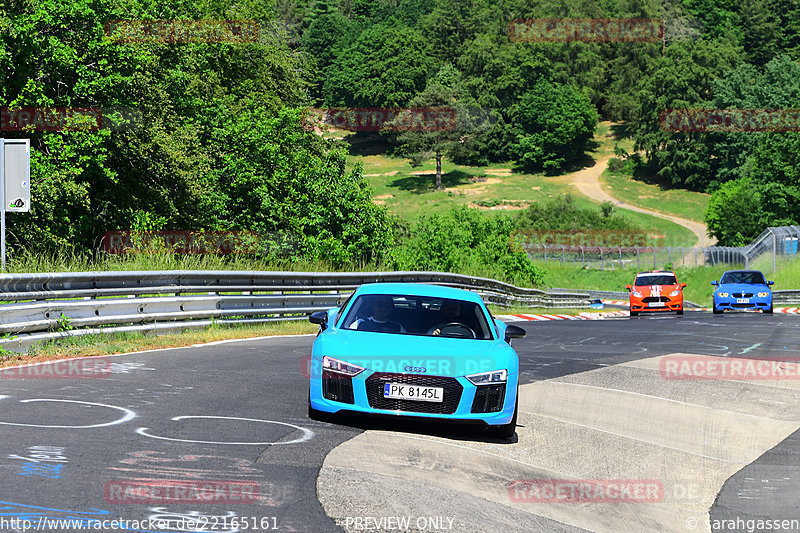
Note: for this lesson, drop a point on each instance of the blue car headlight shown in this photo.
(340, 367)
(489, 378)
(723, 294)
(763, 294)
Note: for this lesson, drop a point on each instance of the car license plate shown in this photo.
(742, 300)
(400, 391)
(655, 304)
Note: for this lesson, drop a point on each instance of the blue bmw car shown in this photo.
(415, 350)
(742, 289)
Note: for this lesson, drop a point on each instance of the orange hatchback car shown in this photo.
(656, 290)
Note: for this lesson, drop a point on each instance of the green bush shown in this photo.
(467, 241)
(616, 165)
(562, 213)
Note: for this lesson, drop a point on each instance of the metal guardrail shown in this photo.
(786, 297)
(44, 307)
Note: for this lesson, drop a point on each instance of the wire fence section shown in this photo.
(773, 242)
(613, 257)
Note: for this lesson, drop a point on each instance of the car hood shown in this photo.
(434, 356)
(655, 290)
(744, 287)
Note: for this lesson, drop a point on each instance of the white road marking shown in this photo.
(129, 415)
(307, 433)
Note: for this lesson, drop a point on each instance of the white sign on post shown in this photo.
(17, 158)
(15, 183)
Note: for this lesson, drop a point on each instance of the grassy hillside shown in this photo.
(687, 204)
(408, 192)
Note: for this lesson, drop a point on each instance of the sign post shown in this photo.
(15, 178)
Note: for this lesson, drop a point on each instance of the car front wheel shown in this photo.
(313, 414)
(506, 431)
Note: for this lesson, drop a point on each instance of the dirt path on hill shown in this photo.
(587, 181)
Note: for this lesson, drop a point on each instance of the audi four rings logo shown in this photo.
(415, 369)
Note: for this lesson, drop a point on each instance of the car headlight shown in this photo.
(637, 294)
(341, 367)
(723, 294)
(763, 294)
(675, 292)
(488, 378)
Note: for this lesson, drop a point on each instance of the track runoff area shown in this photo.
(658, 423)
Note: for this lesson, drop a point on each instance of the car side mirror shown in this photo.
(770, 283)
(683, 285)
(628, 287)
(514, 332)
(714, 282)
(320, 317)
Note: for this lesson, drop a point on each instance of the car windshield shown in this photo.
(655, 279)
(754, 278)
(417, 315)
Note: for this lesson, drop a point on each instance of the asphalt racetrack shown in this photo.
(216, 438)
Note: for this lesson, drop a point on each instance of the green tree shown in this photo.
(386, 67)
(762, 31)
(552, 125)
(741, 209)
(680, 79)
(278, 178)
(463, 120)
(327, 33)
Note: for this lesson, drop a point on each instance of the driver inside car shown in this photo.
(450, 313)
(379, 322)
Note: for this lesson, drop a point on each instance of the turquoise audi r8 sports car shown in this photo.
(415, 350)
(742, 289)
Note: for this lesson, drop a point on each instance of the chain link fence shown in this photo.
(774, 242)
